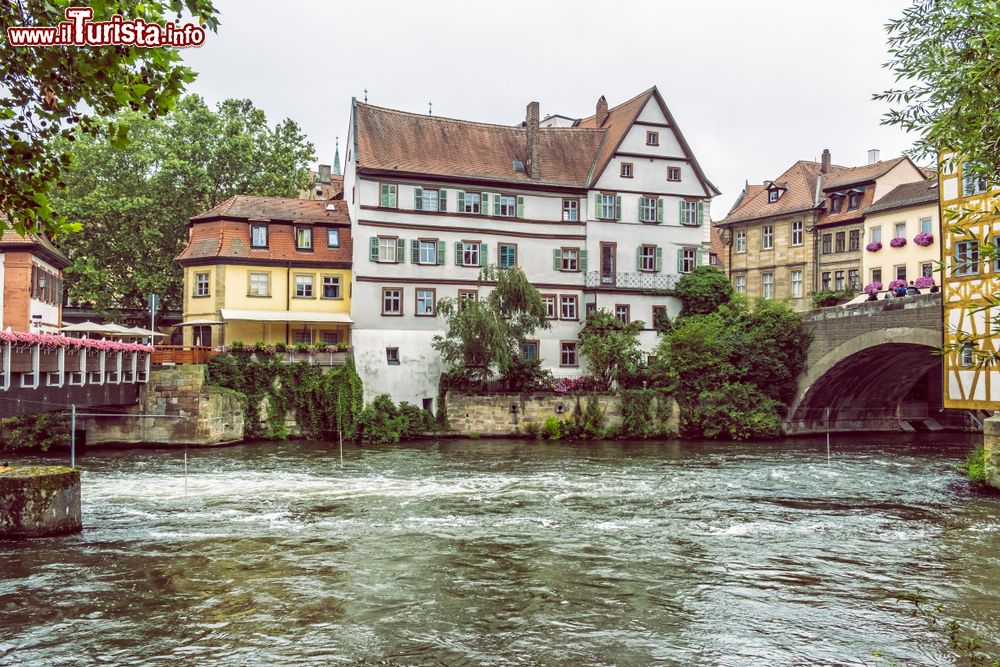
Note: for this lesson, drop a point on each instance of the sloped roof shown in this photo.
(908, 194)
(800, 181)
(718, 248)
(862, 174)
(393, 140)
(222, 239)
(247, 207)
(38, 244)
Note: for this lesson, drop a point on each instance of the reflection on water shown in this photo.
(508, 553)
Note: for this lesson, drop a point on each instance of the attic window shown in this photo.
(835, 203)
(853, 201)
(518, 165)
(652, 138)
(773, 195)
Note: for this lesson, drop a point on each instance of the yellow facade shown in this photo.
(274, 291)
(969, 286)
(909, 262)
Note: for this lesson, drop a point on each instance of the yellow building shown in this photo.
(906, 224)
(970, 281)
(268, 269)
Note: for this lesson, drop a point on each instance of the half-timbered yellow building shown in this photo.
(971, 278)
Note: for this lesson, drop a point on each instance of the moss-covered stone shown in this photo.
(36, 501)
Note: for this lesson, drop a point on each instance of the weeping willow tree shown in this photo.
(485, 337)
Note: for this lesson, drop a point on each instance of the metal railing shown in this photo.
(635, 280)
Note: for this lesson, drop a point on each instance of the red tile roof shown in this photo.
(246, 207)
(718, 248)
(855, 175)
(908, 194)
(38, 244)
(799, 182)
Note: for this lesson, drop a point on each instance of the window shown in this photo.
(622, 312)
(303, 286)
(927, 268)
(876, 236)
(529, 350)
(689, 212)
(876, 275)
(797, 232)
(570, 259)
(507, 206)
(260, 284)
(853, 280)
(901, 272)
(392, 356)
(713, 259)
(466, 295)
(258, 236)
(567, 354)
(626, 170)
(647, 258)
(972, 183)
(925, 226)
(825, 281)
(425, 302)
(303, 238)
(827, 244)
(797, 283)
(302, 336)
(469, 202)
(853, 201)
(740, 284)
(567, 307)
(588, 308)
(650, 209)
(840, 241)
(392, 301)
(331, 287)
(966, 258)
(773, 195)
(507, 255)
(689, 260)
(330, 337)
(201, 284)
(741, 240)
(660, 317)
(427, 251)
(426, 200)
(570, 210)
(854, 242)
(652, 138)
(900, 230)
(387, 195)
(550, 306)
(470, 254)
(332, 237)
(388, 249)
(836, 201)
(767, 237)
(968, 354)
(838, 281)
(767, 285)
(673, 173)
(607, 207)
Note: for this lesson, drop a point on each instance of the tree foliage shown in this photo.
(135, 201)
(55, 95)
(703, 291)
(946, 55)
(484, 337)
(610, 346)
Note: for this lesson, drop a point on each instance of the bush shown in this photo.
(975, 464)
(703, 291)
(380, 422)
(552, 428)
(827, 298)
(39, 432)
(527, 375)
(532, 429)
(414, 420)
(736, 411)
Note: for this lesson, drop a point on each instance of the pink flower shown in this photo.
(898, 242)
(923, 239)
(874, 246)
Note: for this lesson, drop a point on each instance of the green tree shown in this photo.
(703, 291)
(484, 337)
(135, 201)
(947, 54)
(610, 346)
(54, 95)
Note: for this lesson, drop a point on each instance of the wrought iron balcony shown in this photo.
(636, 280)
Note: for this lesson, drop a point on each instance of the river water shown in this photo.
(510, 553)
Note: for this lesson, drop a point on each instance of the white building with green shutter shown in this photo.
(605, 213)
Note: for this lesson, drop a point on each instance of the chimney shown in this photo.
(873, 156)
(825, 161)
(602, 111)
(531, 123)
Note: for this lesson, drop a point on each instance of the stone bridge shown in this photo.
(874, 366)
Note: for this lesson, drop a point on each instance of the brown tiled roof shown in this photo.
(618, 122)
(862, 174)
(247, 207)
(908, 194)
(845, 215)
(800, 183)
(336, 186)
(39, 244)
(718, 248)
(414, 143)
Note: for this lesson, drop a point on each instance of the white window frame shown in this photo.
(740, 240)
(740, 284)
(767, 237)
(647, 209)
(425, 257)
(689, 260)
(608, 207)
(333, 280)
(796, 281)
(508, 206)
(307, 284)
(335, 233)
(303, 235)
(470, 251)
(424, 299)
(899, 230)
(254, 229)
(797, 232)
(267, 283)
(570, 210)
(387, 297)
(430, 200)
(569, 307)
(647, 258)
(472, 203)
(201, 288)
(387, 249)
(690, 216)
(973, 264)
(926, 228)
(876, 234)
(767, 285)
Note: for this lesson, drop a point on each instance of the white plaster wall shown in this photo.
(49, 313)
(911, 255)
(904, 172)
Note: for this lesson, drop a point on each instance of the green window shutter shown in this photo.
(373, 249)
(496, 204)
(583, 261)
(461, 201)
(484, 203)
(597, 206)
(701, 213)
(557, 260)
(680, 260)
(414, 252)
(442, 200)
(393, 201)
(400, 251)
(659, 210)
(418, 194)
(638, 213)
(520, 206)
(618, 207)
(383, 197)
(638, 258)
(659, 259)
(680, 219)
(458, 253)
(483, 255)
(440, 253)
(697, 258)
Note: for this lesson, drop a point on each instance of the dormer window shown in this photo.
(835, 203)
(772, 196)
(853, 201)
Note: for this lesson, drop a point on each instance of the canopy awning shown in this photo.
(139, 331)
(231, 315)
(86, 327)
(198, 323)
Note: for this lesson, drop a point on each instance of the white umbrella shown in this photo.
(86, 327)
(139, 331)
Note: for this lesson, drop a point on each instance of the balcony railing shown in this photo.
(181, 354)
(637, 280)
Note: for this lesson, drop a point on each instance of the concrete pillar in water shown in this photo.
(38, 501)
(991, 447)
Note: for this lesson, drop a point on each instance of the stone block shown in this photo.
(39, 501)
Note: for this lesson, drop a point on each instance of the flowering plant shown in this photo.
(569, 385)
(924, 281)
(875, 246)
(923, 239)
(898, 242)
(873, 287)
(53, 341)
(896, 284)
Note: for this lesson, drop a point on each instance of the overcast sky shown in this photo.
(754, 86)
